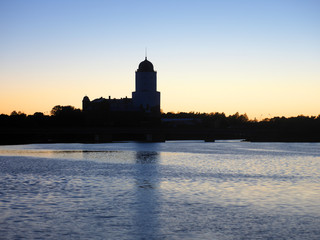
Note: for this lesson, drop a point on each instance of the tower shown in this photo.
(146, 97)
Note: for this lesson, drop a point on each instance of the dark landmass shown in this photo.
(67, 124)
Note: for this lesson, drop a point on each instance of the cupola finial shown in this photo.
(146, 53)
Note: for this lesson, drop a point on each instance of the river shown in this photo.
(170, 190)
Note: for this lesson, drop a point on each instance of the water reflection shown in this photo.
(147, 195)
(144, 157)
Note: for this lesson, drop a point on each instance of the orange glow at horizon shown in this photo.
(261, 58)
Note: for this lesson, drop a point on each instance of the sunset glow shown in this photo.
(256, 57)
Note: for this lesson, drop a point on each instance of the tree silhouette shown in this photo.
(66, 115)
(64, 110)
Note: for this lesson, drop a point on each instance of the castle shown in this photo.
(145, 99)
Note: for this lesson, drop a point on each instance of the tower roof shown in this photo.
(145, 66)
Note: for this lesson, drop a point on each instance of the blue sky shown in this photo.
(256, 57)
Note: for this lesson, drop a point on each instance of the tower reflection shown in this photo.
(147, 195)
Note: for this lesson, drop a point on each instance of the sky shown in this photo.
(261, 58)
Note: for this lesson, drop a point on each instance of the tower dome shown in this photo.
(146, 98)
(145, 66)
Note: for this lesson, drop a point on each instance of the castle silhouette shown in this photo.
(145, 99)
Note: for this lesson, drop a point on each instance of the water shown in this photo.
(171, 190)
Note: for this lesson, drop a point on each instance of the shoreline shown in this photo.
(13, 136)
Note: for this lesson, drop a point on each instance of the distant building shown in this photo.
(145, 99)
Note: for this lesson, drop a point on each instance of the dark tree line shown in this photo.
(70, 116)
(221, 121)
(212, 120)
(60, 116)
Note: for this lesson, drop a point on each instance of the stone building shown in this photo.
(145, 99)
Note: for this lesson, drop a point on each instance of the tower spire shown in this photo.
(145, 53)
